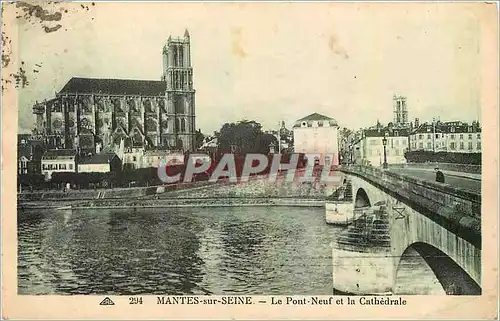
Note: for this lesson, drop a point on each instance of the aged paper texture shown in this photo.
(249, 160)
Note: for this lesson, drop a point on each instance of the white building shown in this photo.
(140, 158)
(152, 158)
(317, 134)
(454, 137)
(61, 160)
(369, 149)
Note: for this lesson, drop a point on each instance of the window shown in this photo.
(62, 166)
(478, 145)
(397, 142)
(478, 136)
(470, 145)
(134, 158)
(421, 145)
(428, 136)
(429, 145)
(452, 129)
(437, 135)
(461, 136)
(470, 136)
(461, 145)
(45, 167)
(452, 146)
(420, 136)
(397, 152)
(183, 125)
(452, 136)
(70, 166)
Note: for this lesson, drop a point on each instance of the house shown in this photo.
(368, 145)
(317, 134)
(152, 158)
(100, 163)
(454, 137)
(58, 160)
(24, 153)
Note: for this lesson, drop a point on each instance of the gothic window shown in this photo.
(56, 106)
(161, 104)
(179, 143)
(177, 125)
(131, 104)
(151, 124)
(69, 107)
(148, 105)
(117, 105)
(183, 125)
(57, 124)
(179, 105)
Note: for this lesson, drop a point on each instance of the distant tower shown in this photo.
(400, 111)
(178, 74)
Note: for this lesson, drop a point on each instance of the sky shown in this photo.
(270, 61)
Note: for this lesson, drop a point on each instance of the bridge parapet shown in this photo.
(455, 209)
(465, 168)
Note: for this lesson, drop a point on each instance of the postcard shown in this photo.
(249, 160)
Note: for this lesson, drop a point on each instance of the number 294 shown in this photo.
(135, 300)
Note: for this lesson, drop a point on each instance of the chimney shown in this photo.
(417, 123)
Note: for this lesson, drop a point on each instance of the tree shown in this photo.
(265, 141)
(242, 137)
(199, 139)
(345, 140)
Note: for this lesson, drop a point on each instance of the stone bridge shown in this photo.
(413, 237)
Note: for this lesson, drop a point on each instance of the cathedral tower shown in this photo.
(178, 74)
(400, 111)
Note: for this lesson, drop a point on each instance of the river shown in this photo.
(176, 251)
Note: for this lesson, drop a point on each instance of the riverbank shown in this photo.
(255, 192)
(177, 203)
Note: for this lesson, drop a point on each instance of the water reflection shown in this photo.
(273, 250)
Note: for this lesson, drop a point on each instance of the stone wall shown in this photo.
(465, 168)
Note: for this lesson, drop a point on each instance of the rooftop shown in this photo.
(114, 86)
(102, 158)
(59, 152)
(315, 117)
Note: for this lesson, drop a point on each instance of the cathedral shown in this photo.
(90, 113)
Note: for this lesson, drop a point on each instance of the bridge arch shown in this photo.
(361, 199)
(436, 272)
